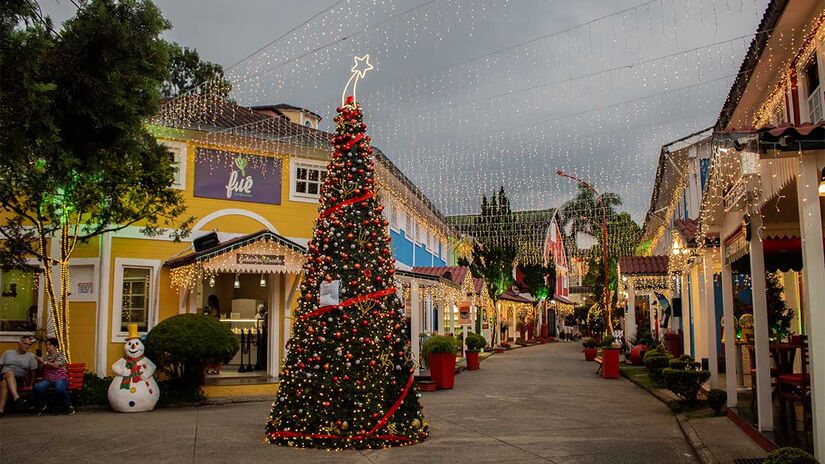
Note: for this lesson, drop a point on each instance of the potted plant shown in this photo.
(475, 343)
(439, 353)
(610, 358)
(589, 348)
(521, 328)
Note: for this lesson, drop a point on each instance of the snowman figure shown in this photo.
(134, 388)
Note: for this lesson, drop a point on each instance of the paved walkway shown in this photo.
(534, 405)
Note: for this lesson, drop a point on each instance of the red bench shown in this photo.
(75, 373)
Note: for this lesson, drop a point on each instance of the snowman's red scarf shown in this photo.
(133, 364)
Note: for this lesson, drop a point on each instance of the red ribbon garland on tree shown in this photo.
(395, 406)
(351, 201)
(349, 302)
(381, 423)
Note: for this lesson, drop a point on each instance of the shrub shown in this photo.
(182, 345)
(588, 342)
(684, 383)
(790, 455)
(717, 400)
(658, 351)
(437, 344)
(521, 341)
(608, 341)
(176, 391)
(655, 365)
(475, 342)
(94, 392)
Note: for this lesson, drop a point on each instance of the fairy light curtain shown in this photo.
(592, 97)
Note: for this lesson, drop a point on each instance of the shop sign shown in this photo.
(264, 260)
(464, 313)
(234, 176)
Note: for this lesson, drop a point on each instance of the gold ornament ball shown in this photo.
(416, 423)
(344, 425)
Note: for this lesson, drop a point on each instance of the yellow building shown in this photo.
(252, 179)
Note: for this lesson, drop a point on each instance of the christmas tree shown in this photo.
(347, 380)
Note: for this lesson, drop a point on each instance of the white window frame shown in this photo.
(393, 219)
(119, 336)
(13, 336)
(805, 107)
(409, 230)
(86, 262)
(178, 150)
(294, 164)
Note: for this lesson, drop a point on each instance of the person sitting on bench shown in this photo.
(54, 375)
(17, 370)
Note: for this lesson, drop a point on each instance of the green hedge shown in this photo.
(684, 383)
(475, 342)
(437, 344)
(182, 345)
(717, 400)
(790, 455)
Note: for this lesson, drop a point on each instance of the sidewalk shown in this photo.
(724, 440)
(542, 405)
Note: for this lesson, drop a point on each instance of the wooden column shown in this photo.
(760, 328)
(710, 319)
(730, 330)
(415, 319)
(813, 276)
(630, 321)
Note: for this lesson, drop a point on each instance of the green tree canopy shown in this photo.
(76, 160)
(189, 74)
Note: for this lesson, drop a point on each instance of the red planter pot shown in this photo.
(610, 363)
(637, 354)
(472, 360)
(442, 370)
(590, 354)
(543, 331)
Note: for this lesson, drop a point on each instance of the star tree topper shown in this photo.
(359, 70)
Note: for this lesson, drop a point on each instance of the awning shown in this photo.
(261, 252)
(793, 138)
(562, 300)
(509, 295)
(643, 265)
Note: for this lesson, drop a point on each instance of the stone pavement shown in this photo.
(533, 405)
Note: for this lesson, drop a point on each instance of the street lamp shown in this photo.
(604, 246)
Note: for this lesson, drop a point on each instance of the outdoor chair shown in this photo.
(797, 386)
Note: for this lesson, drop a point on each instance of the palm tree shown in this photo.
(584, 213)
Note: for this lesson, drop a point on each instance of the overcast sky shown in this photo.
(469, 95)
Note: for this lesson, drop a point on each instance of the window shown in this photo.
(307, 123)
(135, 298)
(307, 180)
(135, 293)
(814, 96)
(408, 231)
(19, 300)
(177, 156)
(393, 216)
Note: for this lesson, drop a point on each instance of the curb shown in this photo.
(224, 400)
(701, 451)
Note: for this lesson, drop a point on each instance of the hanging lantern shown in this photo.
(237, 282)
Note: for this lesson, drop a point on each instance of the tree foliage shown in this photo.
(75, 158)
(494, 255)
(540, 280)
(779, 314)
(189, 74)
(184, 344)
